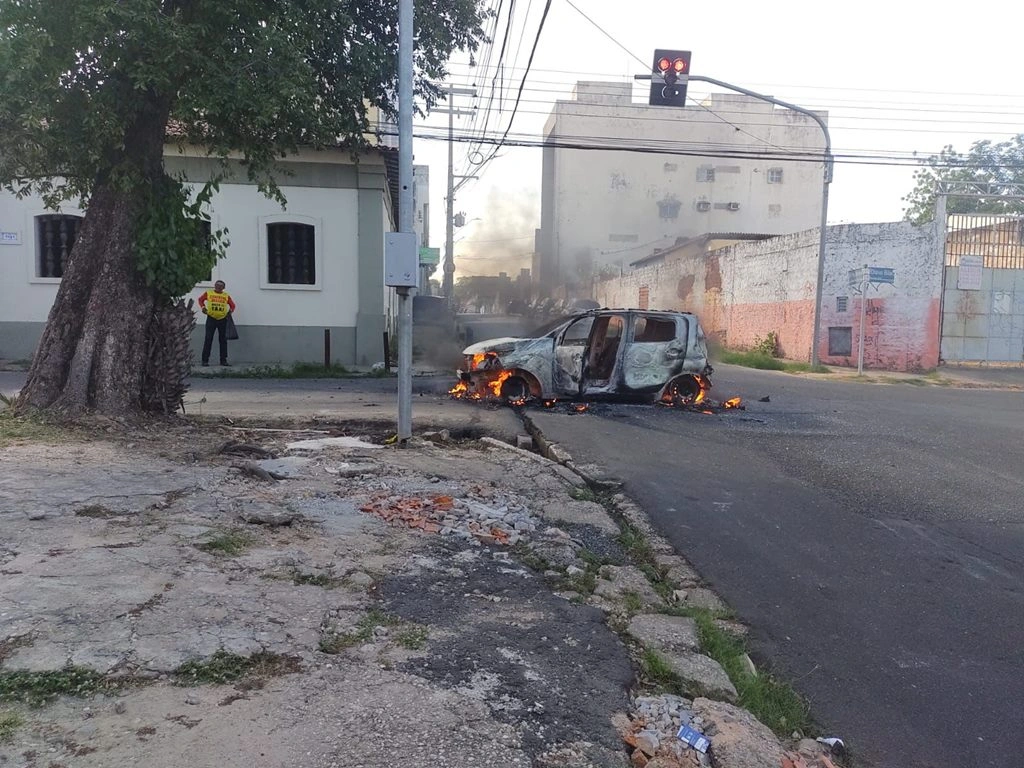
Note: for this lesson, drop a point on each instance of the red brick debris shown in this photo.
(427, 515)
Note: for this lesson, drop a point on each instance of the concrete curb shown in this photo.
(629, 509)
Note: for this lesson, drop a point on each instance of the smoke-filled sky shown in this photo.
(499, 237)
(896, 79)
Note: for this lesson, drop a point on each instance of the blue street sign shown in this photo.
(881, 275)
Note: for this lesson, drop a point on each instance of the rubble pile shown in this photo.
(652, 731)
(503, 521)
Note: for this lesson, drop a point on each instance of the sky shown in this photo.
(896, 77)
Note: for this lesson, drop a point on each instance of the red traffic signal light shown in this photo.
(669, 74)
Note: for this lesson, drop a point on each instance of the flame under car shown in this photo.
(604, 354)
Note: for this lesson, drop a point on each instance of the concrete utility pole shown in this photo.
(405, 213)
(815, 358)
(448, 284)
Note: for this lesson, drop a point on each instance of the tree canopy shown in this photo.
(255, 77)
(90, 92)
(994, 166)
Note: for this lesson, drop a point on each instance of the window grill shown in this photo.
(291, 254)
(55, 237)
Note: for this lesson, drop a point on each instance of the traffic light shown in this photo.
(669, 75)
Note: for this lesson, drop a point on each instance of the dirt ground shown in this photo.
(372, 608)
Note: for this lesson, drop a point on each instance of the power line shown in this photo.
(943, 95)
(499, 240)
(645, 64)
(836, 122)
(519, 95)
(607, 34)
(667, 149)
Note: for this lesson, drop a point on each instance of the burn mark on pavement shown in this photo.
(548, 666)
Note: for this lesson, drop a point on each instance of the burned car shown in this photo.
(620, 354)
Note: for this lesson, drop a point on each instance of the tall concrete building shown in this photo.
(421, 219)
(732, 164)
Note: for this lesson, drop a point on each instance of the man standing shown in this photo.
(216, 305)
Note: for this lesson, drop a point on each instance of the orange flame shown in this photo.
(478, 358)
(461, 389)
(732, 402)
(496, 384)
(549, 403)
(581, 407)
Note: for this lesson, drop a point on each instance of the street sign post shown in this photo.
(860, 279)
(429, 257)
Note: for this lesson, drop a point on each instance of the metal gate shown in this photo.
(983, 296)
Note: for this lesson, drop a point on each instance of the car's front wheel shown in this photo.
(515, 389)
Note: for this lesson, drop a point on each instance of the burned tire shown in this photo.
(682, 391)
(515, 390)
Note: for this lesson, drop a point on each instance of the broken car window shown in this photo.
(548, 327)
(654, 329)
(576, 335)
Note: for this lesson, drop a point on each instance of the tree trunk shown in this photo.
(92, 354)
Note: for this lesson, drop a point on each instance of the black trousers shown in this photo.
(220, 327)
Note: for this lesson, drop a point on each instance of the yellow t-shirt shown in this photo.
(218, 304)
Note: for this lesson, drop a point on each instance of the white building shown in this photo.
(421, 219)
(294, 272)
(603, 208)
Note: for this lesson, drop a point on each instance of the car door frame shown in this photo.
(566, 380)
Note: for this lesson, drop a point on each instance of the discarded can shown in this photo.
(695, 739)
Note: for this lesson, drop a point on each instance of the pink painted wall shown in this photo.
(748, 290)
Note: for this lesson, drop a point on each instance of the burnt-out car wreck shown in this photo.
(602, 354)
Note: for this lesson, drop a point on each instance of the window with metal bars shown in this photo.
(55, 237)
(291, 254)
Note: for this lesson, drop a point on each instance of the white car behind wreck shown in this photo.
(616, 354)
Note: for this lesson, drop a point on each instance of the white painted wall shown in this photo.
(750, 289)
(602, 206)
(244, 212)
(23, 296)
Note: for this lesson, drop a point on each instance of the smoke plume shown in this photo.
(502, 241)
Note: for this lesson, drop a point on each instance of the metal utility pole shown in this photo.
(863, 318)
(815, 358)
(405, 213)
(448, 284)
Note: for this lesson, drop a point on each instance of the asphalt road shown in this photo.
(873, 536)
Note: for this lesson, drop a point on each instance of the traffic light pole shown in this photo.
(827, 179)
(815, 358)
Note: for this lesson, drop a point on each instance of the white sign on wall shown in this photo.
(969, 276)
(10, 238)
